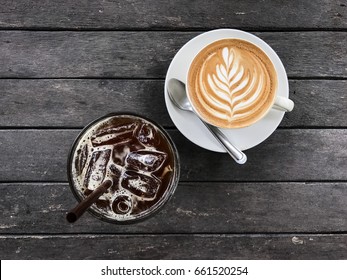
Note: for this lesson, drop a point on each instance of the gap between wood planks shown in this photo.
(293, 78)
(89, 29)
(213, 234)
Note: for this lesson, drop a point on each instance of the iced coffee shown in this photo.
(136, 155)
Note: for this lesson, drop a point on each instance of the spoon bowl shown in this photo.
(178, 96)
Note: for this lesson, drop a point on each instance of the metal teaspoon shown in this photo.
(178, 96)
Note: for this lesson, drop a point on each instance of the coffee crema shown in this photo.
(232, 83)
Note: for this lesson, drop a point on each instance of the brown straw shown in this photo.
(73, 215)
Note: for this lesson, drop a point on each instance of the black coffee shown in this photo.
(131, 152)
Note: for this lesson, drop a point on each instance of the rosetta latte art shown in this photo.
(232, 85)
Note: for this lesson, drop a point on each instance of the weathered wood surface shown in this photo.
(74, 103)
(27, 208)
(288, 155)
(250, 14)
(148, 54)
(65, 63)
(226, 246)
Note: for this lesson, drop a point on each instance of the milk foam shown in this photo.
(231, 83)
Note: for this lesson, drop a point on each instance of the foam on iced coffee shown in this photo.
(131, 152)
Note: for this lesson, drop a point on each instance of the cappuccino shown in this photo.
(232, 83)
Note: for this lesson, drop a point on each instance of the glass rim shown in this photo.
(167, 194)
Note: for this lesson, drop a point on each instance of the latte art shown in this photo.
(232, 83)
(234, 86)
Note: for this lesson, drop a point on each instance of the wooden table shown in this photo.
(65, 63)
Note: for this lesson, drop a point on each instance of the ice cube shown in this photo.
(143, 186)
(114, 135)
(97, 169)
(81, 159)
(149, 161)
(115, 172)
(146, 134)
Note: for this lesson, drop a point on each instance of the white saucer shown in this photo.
(191, 127)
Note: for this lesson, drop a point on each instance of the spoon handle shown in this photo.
(234, 152)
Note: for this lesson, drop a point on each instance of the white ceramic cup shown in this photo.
(279, 102)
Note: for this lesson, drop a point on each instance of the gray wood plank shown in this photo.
(27, 208)
(288, 155)
(251, 14)
(309, 246)
(148, 54)
(317, 103)
(74, 103)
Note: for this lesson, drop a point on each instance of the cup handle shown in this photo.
(283, 104)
